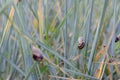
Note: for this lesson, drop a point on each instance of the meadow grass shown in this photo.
(53, 27)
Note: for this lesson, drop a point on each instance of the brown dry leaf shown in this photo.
(96, 73)
(110, 77)
(108, 69)
(117, 69)
(101, 52)
(99, 71)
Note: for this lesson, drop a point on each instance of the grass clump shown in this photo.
(72, 40)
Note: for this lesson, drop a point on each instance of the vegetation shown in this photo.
(59, 39)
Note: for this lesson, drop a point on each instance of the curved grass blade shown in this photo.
(8, 25)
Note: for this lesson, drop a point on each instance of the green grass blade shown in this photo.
(96, 37)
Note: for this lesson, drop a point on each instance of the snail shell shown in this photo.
(117, 38)
(37, 54)
(81, 43)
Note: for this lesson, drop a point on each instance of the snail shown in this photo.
(81, 43)
(37, 54)
(19, 0)
(117, 38)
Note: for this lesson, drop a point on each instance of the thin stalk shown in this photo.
(74, 29)
(66, 35)
(88, 30)
(96, 37)
(113, 39)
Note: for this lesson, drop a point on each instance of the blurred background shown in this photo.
(76, 38)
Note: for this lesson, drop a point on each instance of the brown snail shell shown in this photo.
(117, 38)
(81, 43)
(37, 54)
